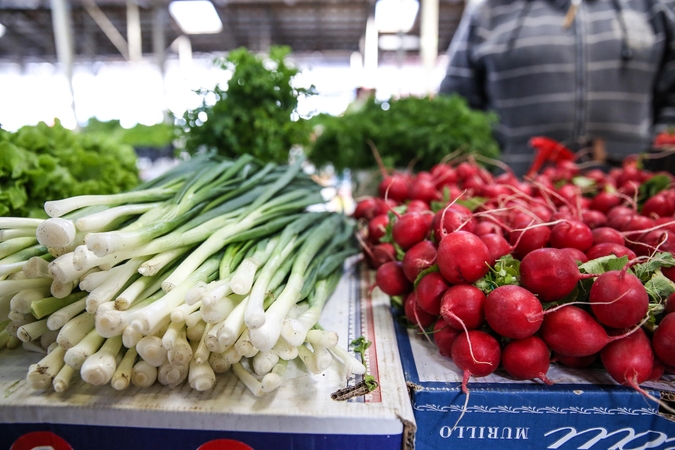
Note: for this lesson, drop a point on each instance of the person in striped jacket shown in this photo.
(591, 74)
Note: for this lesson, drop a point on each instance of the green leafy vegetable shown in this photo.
(40, 163)
(651, 187)
(603, 264)
(405, 131)
(256, 113)
(505, 272)
(157, 136)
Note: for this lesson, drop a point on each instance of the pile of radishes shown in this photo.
(558, 267)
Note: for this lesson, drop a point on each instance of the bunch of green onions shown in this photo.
(217, 265)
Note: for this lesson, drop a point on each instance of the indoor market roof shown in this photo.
(307, 26)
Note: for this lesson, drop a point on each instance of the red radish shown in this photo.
(669, 305)
(365, 209)
(377, 228)
(550, 273)
(564, 213)
(528, 238)
(569, 194)
(518, 218)
(417, 205)
(597, 175)
(465, 171)
(630, 189)
(576, 254)
(419, 257)
(473, 185)
(572, 331)
(395, 187)
(638, 224)
(391, 280)
(542, 186)
(629, 360)
(609, 248)
(619, 216)
(444, 336)
(462, 257)
(667, 223)
(487, 227)
(382, 253)
(384, 206)
(416, 315)
(494, 191)
(450, 219)
(607, 234)
(513, 312)
(605, 201)
(443, 175)
(430, 289)
(658, 370)
(618, 211)
(664, 340)
(461, 208)
(669, 272)
(658, 205)
(620, 222)
(377, 255)
(526, 359)
(575, 362)
(652, 241)
(476, 353)
(625, 211)
(573, 234)
(424, 189)
(463, 307)
(497, 245)
(409, 229)
(542, 211)
(594, 219)
(618, 299)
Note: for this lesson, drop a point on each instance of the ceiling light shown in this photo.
(196, 17)
(394, 16)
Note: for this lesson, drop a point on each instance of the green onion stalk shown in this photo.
(215, 266)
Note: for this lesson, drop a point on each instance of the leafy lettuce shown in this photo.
(42, 162)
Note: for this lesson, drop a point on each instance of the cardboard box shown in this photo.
(299, 415)
(584, 409)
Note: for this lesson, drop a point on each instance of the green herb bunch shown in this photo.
(411, 130)
(256, 113)
(42, 162)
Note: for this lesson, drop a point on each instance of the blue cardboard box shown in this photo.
(300, 415)
(584, 409)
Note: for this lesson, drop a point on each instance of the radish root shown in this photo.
(632, 382)
(466, 402)
(461, 322)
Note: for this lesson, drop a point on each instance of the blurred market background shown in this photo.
(133, 60)
(96, 95)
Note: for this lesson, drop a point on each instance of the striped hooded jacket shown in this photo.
(609, 74)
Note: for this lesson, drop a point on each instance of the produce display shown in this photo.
(42, 162)
(405, 131)
(563, 266)
(216, 265)
(254, 113)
